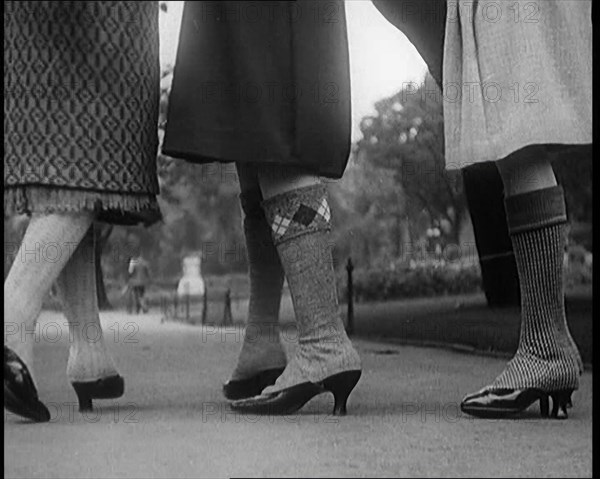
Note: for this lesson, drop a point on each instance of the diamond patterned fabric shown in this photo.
(81, 93)
(298, 212)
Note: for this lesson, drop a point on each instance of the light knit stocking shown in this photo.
(47, 246)
(88, 358)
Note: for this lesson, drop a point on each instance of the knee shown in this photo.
(528, 169)
(275, 180)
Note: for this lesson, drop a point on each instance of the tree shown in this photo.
(406, 137)
(364, 206)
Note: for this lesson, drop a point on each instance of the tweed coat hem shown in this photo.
(107, 207)
(516, 74)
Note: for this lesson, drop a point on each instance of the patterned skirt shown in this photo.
(81, 99)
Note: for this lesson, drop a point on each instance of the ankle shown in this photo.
(259, 355)
(529, 370)
(89, 361)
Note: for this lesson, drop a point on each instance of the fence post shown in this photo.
(187, 307)
(204, 305)
(164, 306)
(227, 317)
(350, 299)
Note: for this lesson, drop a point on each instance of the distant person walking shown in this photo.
(139, 278)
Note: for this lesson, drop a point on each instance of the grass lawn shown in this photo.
(466, 322)
(463, 322)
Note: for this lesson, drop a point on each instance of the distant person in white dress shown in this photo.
(191, 283)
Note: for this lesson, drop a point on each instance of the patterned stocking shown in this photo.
(546, 358)
(88, 358)
(300, 223)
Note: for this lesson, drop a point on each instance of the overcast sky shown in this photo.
(381, 58)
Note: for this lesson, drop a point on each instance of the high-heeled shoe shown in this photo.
(252, 386)
(20, 393)
(500, 403)
(104, 388)
(292, 399)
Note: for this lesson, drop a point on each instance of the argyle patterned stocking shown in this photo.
(300, 222)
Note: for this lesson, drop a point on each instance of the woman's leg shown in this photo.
(262, 351)
(88, 358)
(47, 246)
(526, 171)
(296, 207)
(547, 359)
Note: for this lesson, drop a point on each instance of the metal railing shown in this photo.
(194, 309)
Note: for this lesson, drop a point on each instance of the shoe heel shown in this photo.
(106, 388)
(560, 402)
(83, 396)
(341, 385)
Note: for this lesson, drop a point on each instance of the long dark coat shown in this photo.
(262, 82)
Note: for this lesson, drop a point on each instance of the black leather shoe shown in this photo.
(500, 403)
(292, 399)
(105, 388)
(20, 394)
(252, 386)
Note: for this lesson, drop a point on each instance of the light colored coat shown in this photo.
(516, 73)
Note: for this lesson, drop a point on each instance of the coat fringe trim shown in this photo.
(112, 207)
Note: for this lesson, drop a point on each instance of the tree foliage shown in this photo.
(406, 138)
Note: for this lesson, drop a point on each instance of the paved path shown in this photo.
(173, 422)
